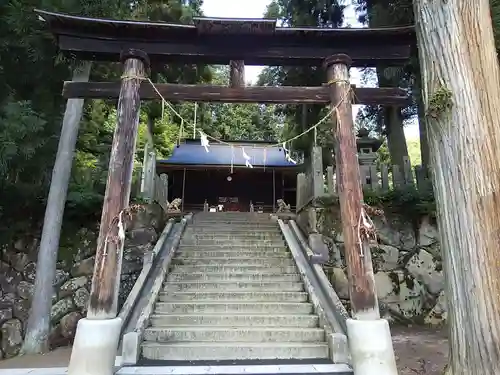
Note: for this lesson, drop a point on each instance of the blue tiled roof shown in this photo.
(193, 153)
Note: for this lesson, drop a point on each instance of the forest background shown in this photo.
(31, 107)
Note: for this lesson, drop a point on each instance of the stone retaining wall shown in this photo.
(407, 266)
(72, 280)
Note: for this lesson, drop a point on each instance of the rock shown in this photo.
(8, 298)
(400, 292)
(439, 313)
(141, 236)
(84, 268)
(30, 272)
(87, 244)
(428, 270)
(19, 261)
(136, 253)
(21, 309)
(55, 337)
(129, 267)
(150, 215)
(9, 278)
(427, 233)
(61, 308)
(60, 277)
(81, 299)
(68, 324)
(12, 337)
(385, 257)
(5, 313)
(70, 286)
(395, 233)
(25, 290)
(340, 283)
(21, 245)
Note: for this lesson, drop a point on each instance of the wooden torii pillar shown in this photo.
(97, 336)
(369, 336)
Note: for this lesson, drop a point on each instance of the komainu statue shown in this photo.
(174, 206)
(282, 206)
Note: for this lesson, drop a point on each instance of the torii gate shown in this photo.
(219, 41)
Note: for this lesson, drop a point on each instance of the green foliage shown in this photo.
(407, 201)
(31, 108)
(297, 118)
(440, 102)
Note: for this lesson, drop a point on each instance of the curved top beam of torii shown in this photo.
(217, 41)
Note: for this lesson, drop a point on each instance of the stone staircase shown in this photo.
(233, 293)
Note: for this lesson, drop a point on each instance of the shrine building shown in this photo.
(221, 176)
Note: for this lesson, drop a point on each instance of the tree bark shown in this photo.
(106, 279)
(362, 292)
(461, 92)
(237, 73)
(396, 140)
(422, 125)
(424, 144)
(38, 328)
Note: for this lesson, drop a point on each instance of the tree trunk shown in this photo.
(237, 73)
(422, 124)
(393, 120)
(36, 339)
(422, 129)
(461, 92)
(396, 141)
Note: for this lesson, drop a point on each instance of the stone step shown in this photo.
(254, 236)
(233, 224)
(216, 295)
(228, 286)
(232, 276)
(318, 366)
(224, 246)
(228, 333)
(254, 250)
(221, 229)
(234, 350)
(236, 268)
(232, 307)
(234, 253)
(267, 261)
(243, 319)
(232, 241)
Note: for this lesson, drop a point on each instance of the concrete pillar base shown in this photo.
(371, 348)
(95, 347)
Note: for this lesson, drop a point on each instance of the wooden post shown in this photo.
(236, 73)
(36, 339)
(106, 279)
(183, 189)
(362, 290)
(274, 190)
(317, 171)
(301, 182)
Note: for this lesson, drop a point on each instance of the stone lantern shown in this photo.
(367, 153)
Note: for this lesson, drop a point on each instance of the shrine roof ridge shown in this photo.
(193, 153)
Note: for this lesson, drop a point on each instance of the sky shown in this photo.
(256, 9)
